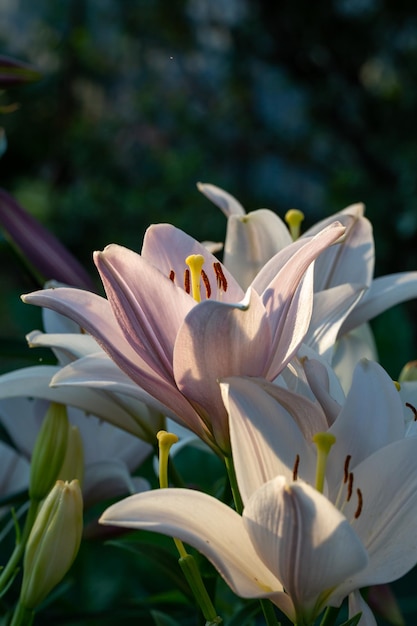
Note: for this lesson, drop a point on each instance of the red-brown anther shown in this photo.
(172, 275)
(206, 283)
(360, 504)
(187, 284)
(414, 410)
(349, 487)
(346, 469)
(220, 277)
(295, 468)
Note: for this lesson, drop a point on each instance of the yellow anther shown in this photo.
(324, 442)
(397, 385)
(294, 217)
(195, 262)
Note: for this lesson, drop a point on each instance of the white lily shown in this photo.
(300, 548)
(253, 238)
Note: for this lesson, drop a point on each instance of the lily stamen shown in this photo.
(349, 487)
(413, 408)
(360, 503)
(172, 276)
(295, 468)
(346, 468)
(206, 284)
(187, 285)
(220, 277)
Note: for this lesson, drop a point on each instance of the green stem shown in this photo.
(330, 616)
(9, 570)
(230, 467)
(193, 576)
(22, 616)
(269, 613)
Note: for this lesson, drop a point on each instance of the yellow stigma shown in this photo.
(195, 262)
(165, 441)
(294, 217)
(323, 441)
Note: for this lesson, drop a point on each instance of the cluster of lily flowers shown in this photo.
(267, 361)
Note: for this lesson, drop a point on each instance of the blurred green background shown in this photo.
(284, 104)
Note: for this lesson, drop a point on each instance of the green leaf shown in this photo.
(246, 615)
(166, 561)
(161, 619)
(353, 621)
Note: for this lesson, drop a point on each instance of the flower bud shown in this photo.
(48, 452)
(73, 463)
(53, 542)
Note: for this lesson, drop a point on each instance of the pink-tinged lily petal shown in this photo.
(38, 246)
(94, 314)
(218, 340)
(204, 523)
(264, 436)
(251, 240)
(358, 605)
(387, 521)
(224, 200)
(305, 540)
(167, 247)
(383, 293)
(138, 293)
(330, 309)
(371, 418)
(101, 373)
(297, 257)
(353, 260)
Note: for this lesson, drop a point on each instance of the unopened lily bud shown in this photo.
(408, 372)
(73, 464)
(49, 451)
(53, 542)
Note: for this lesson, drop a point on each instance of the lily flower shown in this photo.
(253, 238)
(175, 337)
(311, 533)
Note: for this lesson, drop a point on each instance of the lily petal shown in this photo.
(383, 293)
(251, 240)
(358, 605)
(264, 436)
(167, 247)
(304, 540)
(387, 523)
(224, 200)
(204, 523)
(219, 340)
(371, 418)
